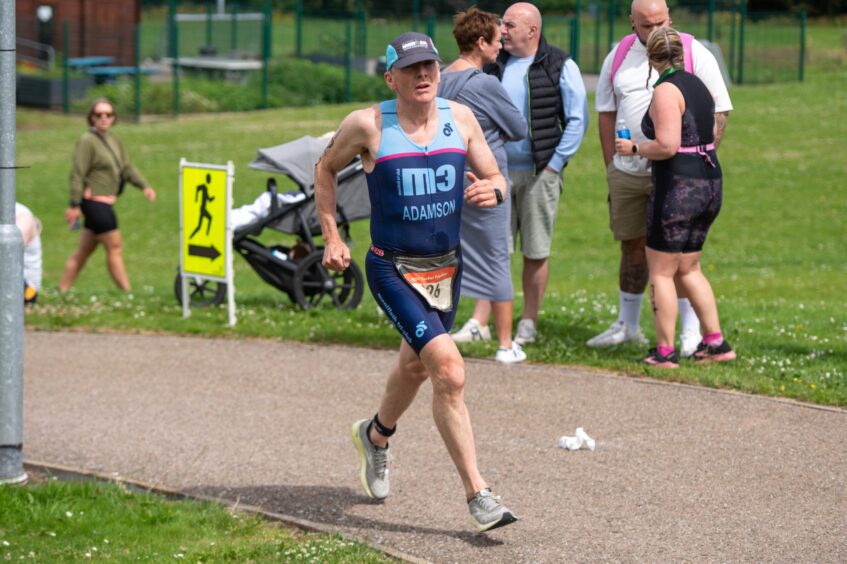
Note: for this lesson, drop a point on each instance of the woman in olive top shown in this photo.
(100, 169)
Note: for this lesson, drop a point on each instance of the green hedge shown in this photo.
(292, 82)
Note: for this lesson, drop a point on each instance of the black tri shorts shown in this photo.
(99, 217)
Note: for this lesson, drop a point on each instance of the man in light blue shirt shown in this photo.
(546, 85)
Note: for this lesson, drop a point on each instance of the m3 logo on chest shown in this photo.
(422, 181)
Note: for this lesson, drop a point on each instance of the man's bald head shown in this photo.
(647, 15)
(521, 29)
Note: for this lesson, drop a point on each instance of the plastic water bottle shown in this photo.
(622, 132)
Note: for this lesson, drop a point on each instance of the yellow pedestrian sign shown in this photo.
(204, 212)
(205, 236)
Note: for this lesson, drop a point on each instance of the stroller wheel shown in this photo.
(201, 293)
(312, 283)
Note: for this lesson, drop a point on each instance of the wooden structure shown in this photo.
(95, 27)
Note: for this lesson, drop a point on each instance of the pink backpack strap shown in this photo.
(626, 43)
(620, 54)
(687, 40)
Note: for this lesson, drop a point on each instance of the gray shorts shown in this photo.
(628, 195)
(535, 202)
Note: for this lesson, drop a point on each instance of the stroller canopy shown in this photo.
(297, 160)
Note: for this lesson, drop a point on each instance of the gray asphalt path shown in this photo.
(679, 474)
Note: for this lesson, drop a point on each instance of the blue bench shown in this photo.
(106, 74)
(87, 62)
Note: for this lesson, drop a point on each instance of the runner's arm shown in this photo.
(349, 140)
(606, 125)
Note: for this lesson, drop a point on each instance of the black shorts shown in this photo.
(99, 217)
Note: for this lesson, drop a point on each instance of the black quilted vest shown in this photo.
(546, 111)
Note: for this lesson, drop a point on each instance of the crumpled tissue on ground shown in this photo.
(581, 440)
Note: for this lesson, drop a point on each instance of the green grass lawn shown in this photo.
(53, 521)
(775, 256)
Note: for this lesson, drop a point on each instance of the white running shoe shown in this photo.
(510, 356)
(472, 331)
(688, 341)
(526, 332)
(616, 334)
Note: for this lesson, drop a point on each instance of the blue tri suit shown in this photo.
(416, 195)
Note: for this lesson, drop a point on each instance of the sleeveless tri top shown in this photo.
(416, 191)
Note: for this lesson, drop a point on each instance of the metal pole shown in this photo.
(348, 64)
(208, 24)
(175, 69)
(710, 32)
(298, 29)
(137, 75)
(266, 52)
(577, 23)
(11, 268)
(613, 13)
(66, 73)
(802, 44)
(233, 40)
(416, 14)
(741, 42)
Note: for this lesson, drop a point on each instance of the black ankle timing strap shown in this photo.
(382, 429)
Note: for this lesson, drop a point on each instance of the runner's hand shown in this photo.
(149, 193)
(480, 192)
(72, 216)
(336, 256)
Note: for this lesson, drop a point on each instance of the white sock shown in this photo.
(630, 313)
(688, 319)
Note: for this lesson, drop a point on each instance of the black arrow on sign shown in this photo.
(210, 253)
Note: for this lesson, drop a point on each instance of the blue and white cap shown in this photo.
(408, 49)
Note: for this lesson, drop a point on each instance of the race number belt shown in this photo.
(431, 276)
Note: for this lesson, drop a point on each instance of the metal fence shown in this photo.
(752, 47)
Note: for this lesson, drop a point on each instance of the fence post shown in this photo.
(613, 12)
(803, 18)
(732, 46)
(266, 51)
(710, 32)
(741, 42)
(575, 24)
(298, 29)
(175, 56)
(348, 63)
(137, 75)
(430, 27)
(66, 52)
(362, 33)
(416, 14)
(208, 23)
(233, 33)
(597, 63)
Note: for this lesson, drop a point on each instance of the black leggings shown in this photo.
(99, 217)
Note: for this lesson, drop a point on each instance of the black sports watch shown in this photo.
(75, 203)
(499, 195)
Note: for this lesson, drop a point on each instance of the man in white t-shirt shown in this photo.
(627, 95)
(30, 228)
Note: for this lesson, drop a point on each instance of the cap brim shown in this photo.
(416, 58)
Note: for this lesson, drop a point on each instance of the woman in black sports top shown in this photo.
(686, 199)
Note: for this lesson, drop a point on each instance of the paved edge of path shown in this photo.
(67, 473)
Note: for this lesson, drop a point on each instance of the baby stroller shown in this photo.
(296, 270)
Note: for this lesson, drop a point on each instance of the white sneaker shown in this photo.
(616, 334)
(688, 341)
(510, 356)
(526, 332)
(472, 331)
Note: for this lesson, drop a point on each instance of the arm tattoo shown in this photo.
(720, 126)
(328, 147)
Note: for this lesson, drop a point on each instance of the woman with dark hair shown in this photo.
(686, 198)
(100, 169)
(487, 276)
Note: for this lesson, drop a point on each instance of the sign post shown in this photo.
(205, 199)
